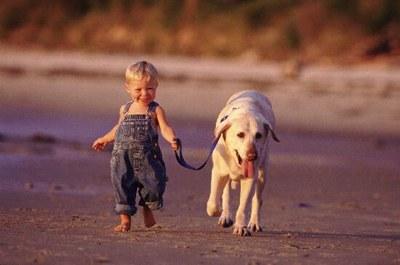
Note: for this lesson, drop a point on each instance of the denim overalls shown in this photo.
(136, 163)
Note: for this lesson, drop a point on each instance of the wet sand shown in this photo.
(332, 196)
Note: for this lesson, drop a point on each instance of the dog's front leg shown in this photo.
(254, 224)
(225, 220)
(246, 188)
(218, 183)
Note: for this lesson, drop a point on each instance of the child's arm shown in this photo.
(166, 131)
(101, 142)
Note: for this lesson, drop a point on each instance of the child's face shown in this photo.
(142, 91)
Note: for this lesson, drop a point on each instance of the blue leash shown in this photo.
(183, 163)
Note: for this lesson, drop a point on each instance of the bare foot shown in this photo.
(148, 217)
(125, 224)
(122, 228)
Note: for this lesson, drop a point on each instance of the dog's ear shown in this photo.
(268, 129)
(221, 129)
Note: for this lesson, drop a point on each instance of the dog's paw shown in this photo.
(241, 231)
(254, 227)
(213, 210)
(225, 221)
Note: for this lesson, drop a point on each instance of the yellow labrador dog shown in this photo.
(241, 156)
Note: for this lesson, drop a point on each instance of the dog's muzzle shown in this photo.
(250, 156)
(247, 164)
(251, 153)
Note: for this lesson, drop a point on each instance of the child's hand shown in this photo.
(174, 144)
(99, 144)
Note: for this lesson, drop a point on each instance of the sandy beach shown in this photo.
(332, 196)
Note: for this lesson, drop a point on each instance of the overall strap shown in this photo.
(151, 114)
(127, 106)
(152, 107)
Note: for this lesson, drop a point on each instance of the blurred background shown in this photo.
(327, 66)
(329, 31)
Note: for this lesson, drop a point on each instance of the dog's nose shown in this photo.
(251, 156)
(251, 153)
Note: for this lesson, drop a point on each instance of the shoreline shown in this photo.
(76, 63)
(347, 101)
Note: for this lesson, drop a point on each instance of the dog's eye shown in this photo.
(258, 135)
(240, 135)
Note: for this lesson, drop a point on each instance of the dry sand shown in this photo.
(332, 197)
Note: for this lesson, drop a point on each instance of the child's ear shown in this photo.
(126, 86)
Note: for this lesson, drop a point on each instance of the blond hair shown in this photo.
(140, 70)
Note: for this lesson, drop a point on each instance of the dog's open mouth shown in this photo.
(239, 158)
(247, 165)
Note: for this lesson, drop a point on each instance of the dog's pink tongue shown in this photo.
(248, 169)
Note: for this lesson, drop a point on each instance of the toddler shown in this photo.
(137, 165)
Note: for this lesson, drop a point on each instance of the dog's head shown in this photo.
(245, 139)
